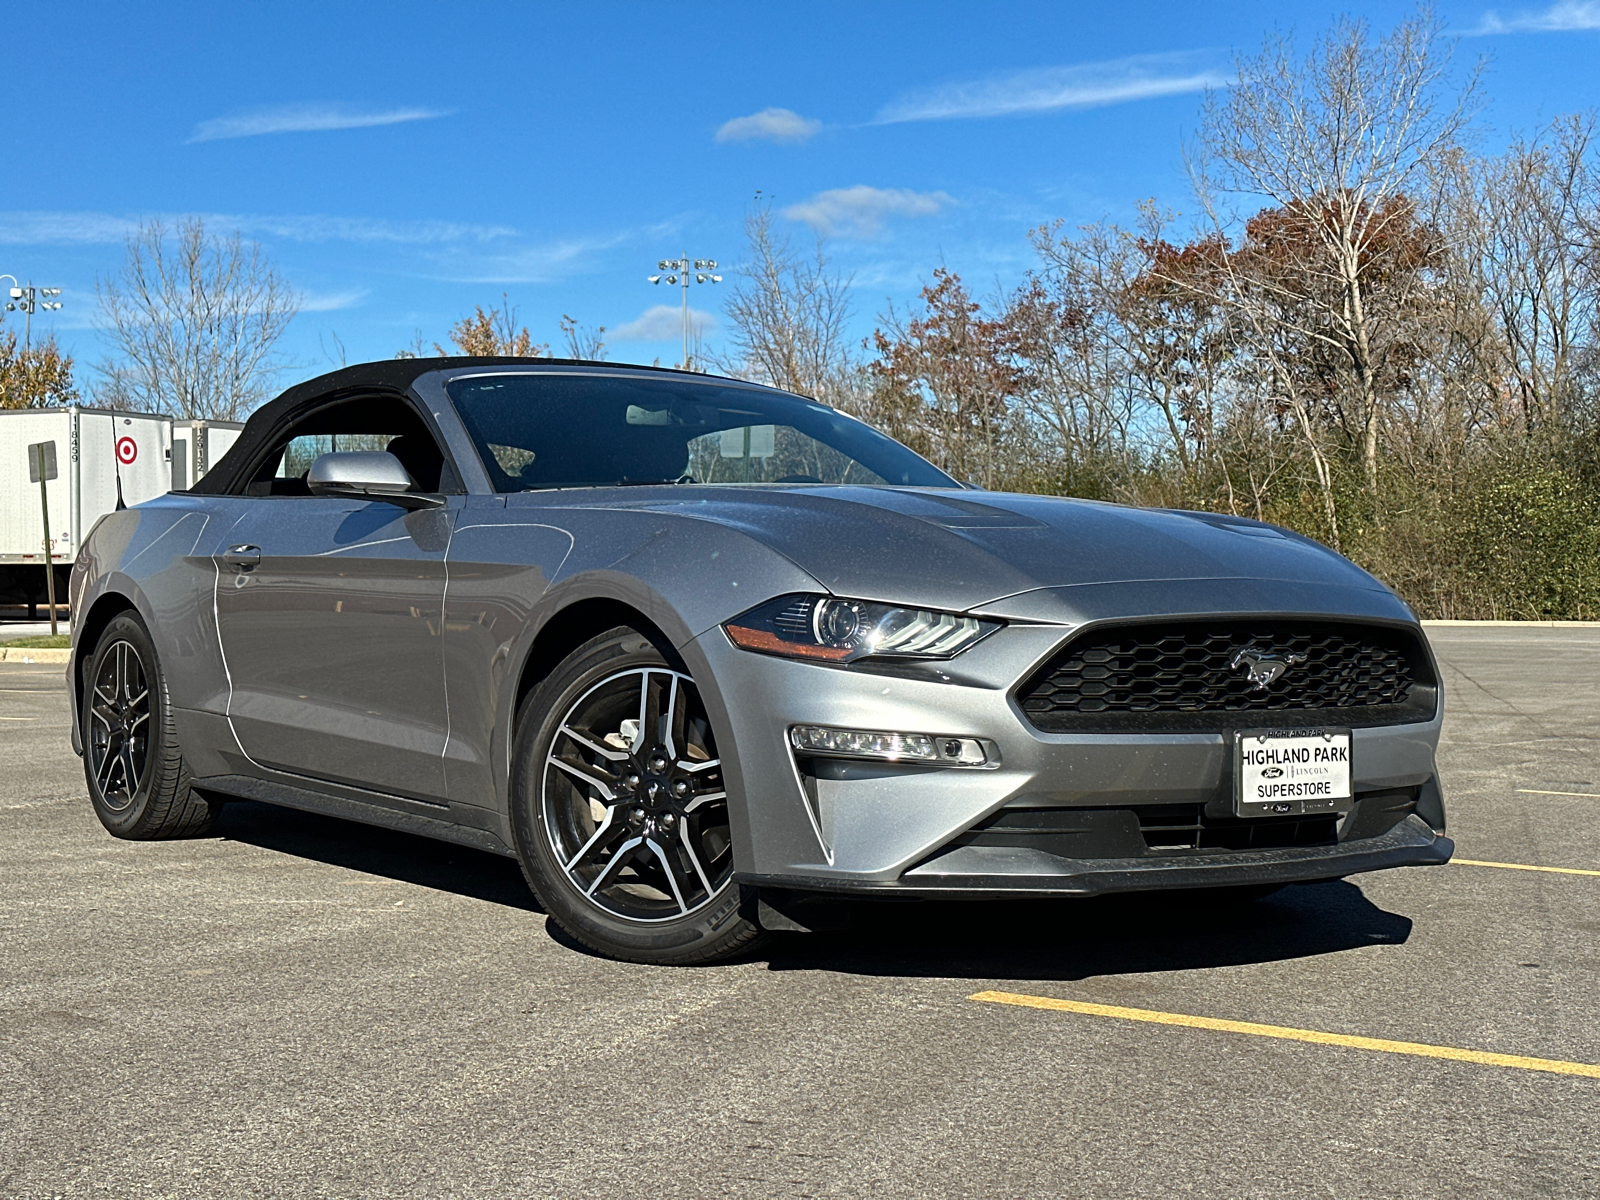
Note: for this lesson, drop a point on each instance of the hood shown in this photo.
(968, 550)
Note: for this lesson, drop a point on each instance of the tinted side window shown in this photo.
(363, 423)
(304, 450)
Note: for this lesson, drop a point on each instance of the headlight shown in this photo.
(833, 630)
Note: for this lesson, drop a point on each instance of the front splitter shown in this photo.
(1000, 872)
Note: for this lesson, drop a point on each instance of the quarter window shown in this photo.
(385, 423)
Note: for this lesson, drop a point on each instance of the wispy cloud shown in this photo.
(453, 251)
(63, 228)
(307, 118)
(332, 301)
(96, 228)
(316, 227)
(1566, 17)
(544, 262)
(770, 125)
(861, 210)
(662, 323)
(1046, 89)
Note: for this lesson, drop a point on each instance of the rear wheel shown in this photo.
(137, 780)
(619, 810)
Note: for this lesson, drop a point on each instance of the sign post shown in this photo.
(42, 469)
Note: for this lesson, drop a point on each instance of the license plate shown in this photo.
(1282, 773)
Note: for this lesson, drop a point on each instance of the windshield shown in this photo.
(550, 430)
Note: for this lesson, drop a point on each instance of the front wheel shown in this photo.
(619, 809)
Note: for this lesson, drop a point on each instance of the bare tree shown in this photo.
(415, 348)
(337, 355)
(196, 318)
(1336, 142)
(787, 315)
(1539, 261)
(1132, 348)
(1076, 339)
(584, 342)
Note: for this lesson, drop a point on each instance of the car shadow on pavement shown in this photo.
(404, 857)
(1079, 939)
(994, 939)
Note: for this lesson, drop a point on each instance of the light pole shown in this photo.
(682, 274)
(26, 297)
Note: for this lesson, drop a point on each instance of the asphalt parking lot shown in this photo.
(299, 1006)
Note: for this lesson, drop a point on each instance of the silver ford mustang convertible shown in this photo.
(708, 658)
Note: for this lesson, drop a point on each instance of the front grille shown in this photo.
(1182, 675)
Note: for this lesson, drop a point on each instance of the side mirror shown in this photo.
(367, 475)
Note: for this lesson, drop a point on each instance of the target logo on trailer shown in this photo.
(127, 451)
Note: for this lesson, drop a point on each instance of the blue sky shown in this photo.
(403, 162)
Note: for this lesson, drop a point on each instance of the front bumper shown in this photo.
(863, 827)
(973, 872)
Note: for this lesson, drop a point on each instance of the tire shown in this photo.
(137, 779)
(618, 809)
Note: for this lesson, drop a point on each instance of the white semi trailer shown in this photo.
(95, 452)
(197, 446)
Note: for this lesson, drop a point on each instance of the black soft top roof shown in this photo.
(390, 375)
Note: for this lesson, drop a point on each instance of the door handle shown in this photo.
(243, 558)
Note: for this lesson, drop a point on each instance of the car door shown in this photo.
(329, 615)
(501, 562)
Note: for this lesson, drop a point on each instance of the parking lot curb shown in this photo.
(1519, 624)
(18, 654)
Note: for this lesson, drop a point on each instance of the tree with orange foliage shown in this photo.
(493, 334)
(944, 378)
(36, 376)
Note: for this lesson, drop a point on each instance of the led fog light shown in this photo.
(892, 747)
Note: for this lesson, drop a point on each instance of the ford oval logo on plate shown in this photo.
(1287, 772)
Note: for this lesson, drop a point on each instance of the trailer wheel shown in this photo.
(138, 782)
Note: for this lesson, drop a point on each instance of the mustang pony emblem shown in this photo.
(1264, 669)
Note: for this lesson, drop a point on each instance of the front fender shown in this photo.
(156, 559)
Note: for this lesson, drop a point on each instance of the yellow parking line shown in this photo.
(1472, 862)
(1420, 1049)
(1538, 792)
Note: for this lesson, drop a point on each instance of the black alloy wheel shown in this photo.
(621, 812)
(118, 742)
(137, 779)
(633, 799)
